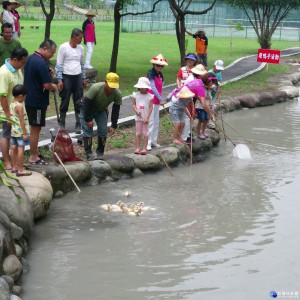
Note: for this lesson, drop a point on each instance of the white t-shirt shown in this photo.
(8, 17)
(70, 58)
(142, 104)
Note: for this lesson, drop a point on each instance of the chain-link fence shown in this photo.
(217, 22)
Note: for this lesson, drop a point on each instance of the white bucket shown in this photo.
(241, 151)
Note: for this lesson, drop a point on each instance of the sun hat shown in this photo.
(191, 56)
(143, 83)
(185, 92)
(199, 70)
(112, 80)
(219, 64)
(18, 4)
(201, 29)
(159, 60)
(90, 13)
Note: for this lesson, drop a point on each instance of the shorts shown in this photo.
(36, 116)
(19, 141)
(202, 115)
(6, 130)
(177, 115)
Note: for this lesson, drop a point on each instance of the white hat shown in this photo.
(199, 70)
(159, 60)
(219, 64)
(185, 92)
(143, 83)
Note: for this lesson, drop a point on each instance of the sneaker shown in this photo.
(156, 146)
(149, 148)
(88, 67)
(201, 137)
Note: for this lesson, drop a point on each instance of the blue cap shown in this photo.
(191, 56)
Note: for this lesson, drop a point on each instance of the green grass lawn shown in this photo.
(136, 49)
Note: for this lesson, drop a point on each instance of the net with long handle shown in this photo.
(64, 148)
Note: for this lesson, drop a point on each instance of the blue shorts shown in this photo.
(19, 141)
(202, 115)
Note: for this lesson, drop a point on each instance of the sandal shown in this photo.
(14, 171)
(26, 173)
(39, 162)
(136, 152)
(144, 152)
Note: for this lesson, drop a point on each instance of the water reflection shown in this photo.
(217, 230)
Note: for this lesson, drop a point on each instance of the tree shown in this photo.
(180, 9)
(49, 16)
(118, 14)
(267, 14)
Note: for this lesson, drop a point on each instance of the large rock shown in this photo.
(19, 213)
(39, 191)
(100, 168)
(291, 91)
(12, 267)
(213, 135)
(4, 289)
(248, 100)
(147, 162)
(169, 154)
(16, 232)
(265, 99)
(200, 146)
(120, 163)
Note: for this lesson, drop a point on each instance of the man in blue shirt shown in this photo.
(38, 81)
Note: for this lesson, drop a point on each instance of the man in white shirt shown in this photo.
(71, 75)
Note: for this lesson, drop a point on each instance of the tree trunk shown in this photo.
(48, 27)
(180, 34)
(264, 41)
(49, 17)
(115, 50)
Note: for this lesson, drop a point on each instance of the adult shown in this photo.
(17, 32)
(201, 45)
(94, 107)
(7, 16)
(71, 75)
(10, 76)
(7, 43)
(38, 82)
(89, 35)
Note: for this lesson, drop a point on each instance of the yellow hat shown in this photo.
(112, 80)
(159, 60)
(185, 93)
(199, 70)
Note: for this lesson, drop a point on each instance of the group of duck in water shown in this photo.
(132, 209)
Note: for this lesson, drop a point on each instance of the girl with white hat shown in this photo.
(142, 105)
(178, 110)
(156, 81)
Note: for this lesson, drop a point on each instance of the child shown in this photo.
(178, 110)
(184, 72)
(142, 105)
(19, 131)
(17, 32)
(156, 81)
(88, 28)
(202, 115)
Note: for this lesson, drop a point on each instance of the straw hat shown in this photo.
(199, 70)
(143, 83)
(18, 4)
(112, 79)
(159, 60)
(185, 92)
(90, 13)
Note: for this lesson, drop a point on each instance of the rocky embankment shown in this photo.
(45, 183)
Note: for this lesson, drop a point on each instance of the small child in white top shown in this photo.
(142, 105)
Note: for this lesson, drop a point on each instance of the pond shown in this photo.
(221, 229)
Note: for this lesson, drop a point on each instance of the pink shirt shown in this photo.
(196, 86)
(90, 33)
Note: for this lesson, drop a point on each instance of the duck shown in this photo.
(137, 212)
(106, 207)
(126, 194)
(115, 208)
(124, 208)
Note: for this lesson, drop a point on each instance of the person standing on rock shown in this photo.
(70, 74)
(94, 106)
(89, 35)
(38, 81)
(10, 76)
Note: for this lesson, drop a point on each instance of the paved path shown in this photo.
(240, 68)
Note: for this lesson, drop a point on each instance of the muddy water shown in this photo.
(223, 229)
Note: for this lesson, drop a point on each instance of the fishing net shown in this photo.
(63, 146)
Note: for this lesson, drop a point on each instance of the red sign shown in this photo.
(268, 56)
